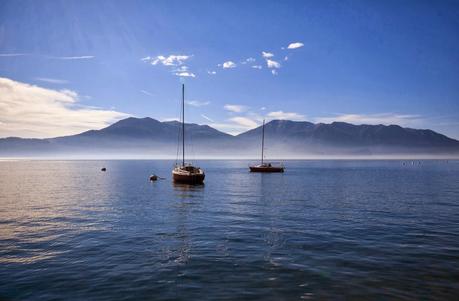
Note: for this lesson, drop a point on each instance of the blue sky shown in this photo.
(68, 66)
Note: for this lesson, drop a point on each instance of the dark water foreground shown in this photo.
(374, 230)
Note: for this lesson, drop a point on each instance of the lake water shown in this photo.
(374, 230)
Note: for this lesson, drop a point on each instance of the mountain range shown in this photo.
(147, 137)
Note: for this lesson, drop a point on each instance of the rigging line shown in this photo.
(179, 135)
(189, 134)
(191, 144)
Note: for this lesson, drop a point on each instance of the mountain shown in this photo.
(341, 134)
(134, 130)
(283, 138)
(130, 136)
(340, 138)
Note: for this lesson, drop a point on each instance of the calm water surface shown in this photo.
(338, 230)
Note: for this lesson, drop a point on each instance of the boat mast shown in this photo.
(183, 124)
(262, 141)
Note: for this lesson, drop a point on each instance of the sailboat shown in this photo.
(265, 166)
(186, 173)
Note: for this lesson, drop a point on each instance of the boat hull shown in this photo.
(266, 169)
(188, 179)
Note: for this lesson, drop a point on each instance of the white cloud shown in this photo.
(228, 65)
(207, 118)
(146, 93)
(295, 45)
(286, 58)
(185, 74)
(211, 72)
(235, 125)
(170, 60)
(235, 108)
(196, 103)
(272, 64)
(244, 122)
(383, 118)
(263, 108)
(257, 67)
(285, 115)
(267, 55)
(31, 111)
(52, 80)
(170, 119)
(274, 72)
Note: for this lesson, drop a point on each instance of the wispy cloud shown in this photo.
(274, 72)
(207, 118)
(285, 115)
(196, 103)
(295, 45)
(267, 55)
(211, 72)
(146, 93)
(248, 60)
(257, 67)
(382, 118)
(229, 65)
(235, 108)
(22, 108)
(52, 80)
(273, 64)
(12, 54)
(185, 74)
(82, 57)
(181, 68)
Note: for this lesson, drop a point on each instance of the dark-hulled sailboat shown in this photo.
(265, 166)
(186, 173)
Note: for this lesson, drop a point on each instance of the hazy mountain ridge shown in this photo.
(342, 134)
(284, 138)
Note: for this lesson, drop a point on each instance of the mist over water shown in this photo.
(322, 230)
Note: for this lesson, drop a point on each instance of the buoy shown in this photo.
(153, 177)
(103, 169)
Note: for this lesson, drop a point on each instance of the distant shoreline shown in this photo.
(325, 158)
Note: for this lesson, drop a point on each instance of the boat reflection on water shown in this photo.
(187, 190)
(187, 187)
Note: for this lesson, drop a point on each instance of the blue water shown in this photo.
(373, 230)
